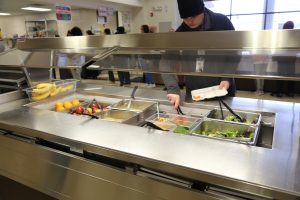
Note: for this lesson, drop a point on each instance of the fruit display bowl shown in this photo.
(45, 90)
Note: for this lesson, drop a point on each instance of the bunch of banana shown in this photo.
(44, 90)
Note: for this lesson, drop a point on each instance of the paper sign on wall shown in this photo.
(63, 12)
(105, 11)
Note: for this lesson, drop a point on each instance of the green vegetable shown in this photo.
(226, 134)
(181, 129)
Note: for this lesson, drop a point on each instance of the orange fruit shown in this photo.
(68, 105)
(76, 102)
(58, 104)
(59, 109)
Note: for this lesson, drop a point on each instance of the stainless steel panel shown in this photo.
(11, 96)
(180, 155)
(267, 39)
(64, 176)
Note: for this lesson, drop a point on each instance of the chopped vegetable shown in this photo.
(232, 118)
(181, 129)
(226, 134)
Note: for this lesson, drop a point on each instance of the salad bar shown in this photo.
(115, 132)
(85, 140)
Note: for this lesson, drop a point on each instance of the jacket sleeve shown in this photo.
(169, 80)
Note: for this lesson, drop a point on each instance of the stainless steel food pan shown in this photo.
(217, 129)
(251, 118)
(133, 105)
(121, 116)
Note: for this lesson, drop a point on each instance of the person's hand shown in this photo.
(174, 99)
(224, 85)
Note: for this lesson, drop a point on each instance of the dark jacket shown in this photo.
(212, 22)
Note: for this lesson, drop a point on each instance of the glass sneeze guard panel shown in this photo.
(268, 64)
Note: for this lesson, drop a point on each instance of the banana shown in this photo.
(55, 92)
(53, 88)
(43, 85)
(41, 90)
(69, 87)
(41, 97)
(63, 89)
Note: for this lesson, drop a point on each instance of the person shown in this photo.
(89, 32)
(69, 33)
(111, 76)
(107, 31)
(198, 18)
(2, 47)
(286, 67)
(124, 77)
(149, 80)
(1, 34)
(76, 31)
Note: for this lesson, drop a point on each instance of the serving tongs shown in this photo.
(230, 110)
(152, 125)
(179, 111)
(132, 96)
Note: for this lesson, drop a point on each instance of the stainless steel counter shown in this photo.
(256, 170)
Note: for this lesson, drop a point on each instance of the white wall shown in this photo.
(168, 12)
(86, 18)
(83, 18)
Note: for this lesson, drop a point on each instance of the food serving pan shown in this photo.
(144, 108)
(175, 123)
(133, 105)
(227, 131)
(250, 117)
(121, 116)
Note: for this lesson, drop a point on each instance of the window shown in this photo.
(284, 5)
(247, 7)
(258, 14)
(219, 6)
(278, 19)
(248, 22)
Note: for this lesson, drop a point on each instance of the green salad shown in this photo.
(226, 133)
(232, 118)
(181, 129)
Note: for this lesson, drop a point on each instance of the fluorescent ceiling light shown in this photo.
(4, 14)
(36, 9)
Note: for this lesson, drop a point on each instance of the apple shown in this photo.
(94, 105)
(79, 110)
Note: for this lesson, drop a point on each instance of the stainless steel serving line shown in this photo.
(247, 170)
(69, 156)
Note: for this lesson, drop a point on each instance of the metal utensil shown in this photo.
(231, 111)
(152, 125)
(221, 109)
(132, 96)
(179, 111)
(91, 115)
(157, 110)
